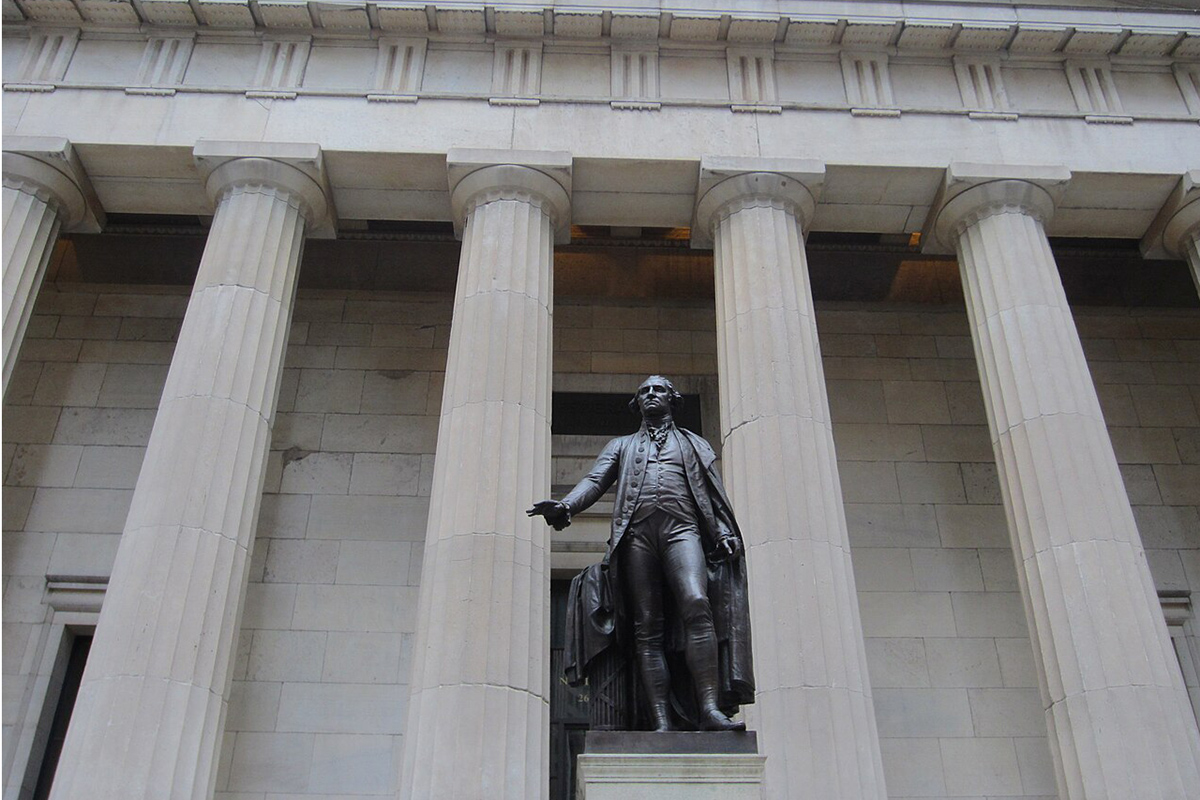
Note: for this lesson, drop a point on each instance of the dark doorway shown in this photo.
(62, 714)
(600, 414)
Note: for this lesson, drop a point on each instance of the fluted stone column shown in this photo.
(1191, 251)
(813, 705)
(45, 191)
(149, 717)
(1120, 726)
(1175, 232)
(478, 723)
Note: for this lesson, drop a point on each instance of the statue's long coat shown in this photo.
(595, 615)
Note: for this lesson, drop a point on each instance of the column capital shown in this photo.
(298, 168)
(50, 167)
(476, 174)
(1179, 216)
(724, 181)
(971, 192)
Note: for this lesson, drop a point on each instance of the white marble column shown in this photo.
(45, 191)
(1175, 232)
(1120, 726)
(813, 706)
(478, 721)
(150, 713)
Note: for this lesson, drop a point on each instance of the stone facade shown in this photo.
(293, 518)
(320, 683)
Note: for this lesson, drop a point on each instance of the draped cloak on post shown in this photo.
(596, 618)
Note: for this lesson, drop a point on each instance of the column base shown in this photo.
(635, 765)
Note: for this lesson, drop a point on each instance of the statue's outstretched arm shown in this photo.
(558, 513)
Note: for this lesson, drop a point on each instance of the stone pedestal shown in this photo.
(1175, 232)
(631, 765)
(813, 704)
(1119, 721)
(479, 719)
(45, 190)
(151, 708)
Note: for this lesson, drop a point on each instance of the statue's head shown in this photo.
(656, 390)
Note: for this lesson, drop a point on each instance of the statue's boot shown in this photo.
(661, 713)
(656, 683)
(711, 719)
(702, 661)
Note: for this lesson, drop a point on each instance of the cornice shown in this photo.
(1070, 29)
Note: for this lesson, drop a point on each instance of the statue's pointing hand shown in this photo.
(557, 514)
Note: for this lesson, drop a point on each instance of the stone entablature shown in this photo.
(980, 60)
(1033, 28)
(885, 112)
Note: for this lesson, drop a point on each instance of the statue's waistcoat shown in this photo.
(623, 461)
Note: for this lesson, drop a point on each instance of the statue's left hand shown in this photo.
(728, 547)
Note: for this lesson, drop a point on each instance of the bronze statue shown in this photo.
(673, 582)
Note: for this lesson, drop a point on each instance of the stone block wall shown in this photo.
(320, 685)
(951, 667)
(76, 421)
(948, 651)
(320, 690)
(628, 339)
(319, 698)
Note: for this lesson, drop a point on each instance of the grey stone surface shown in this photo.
(1115, 703)
(192, 521)
(480, 676)
(677, 776)
(650, 742)
(957, 660)
(895, 661)
(780, 465)
(634, 168)
(45, 190)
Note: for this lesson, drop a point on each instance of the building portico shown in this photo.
(324, 568)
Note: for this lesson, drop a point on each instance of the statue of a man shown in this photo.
(674, 566)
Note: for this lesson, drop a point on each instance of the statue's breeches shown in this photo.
(661, 553)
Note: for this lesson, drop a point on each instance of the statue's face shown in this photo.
(654, 397)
